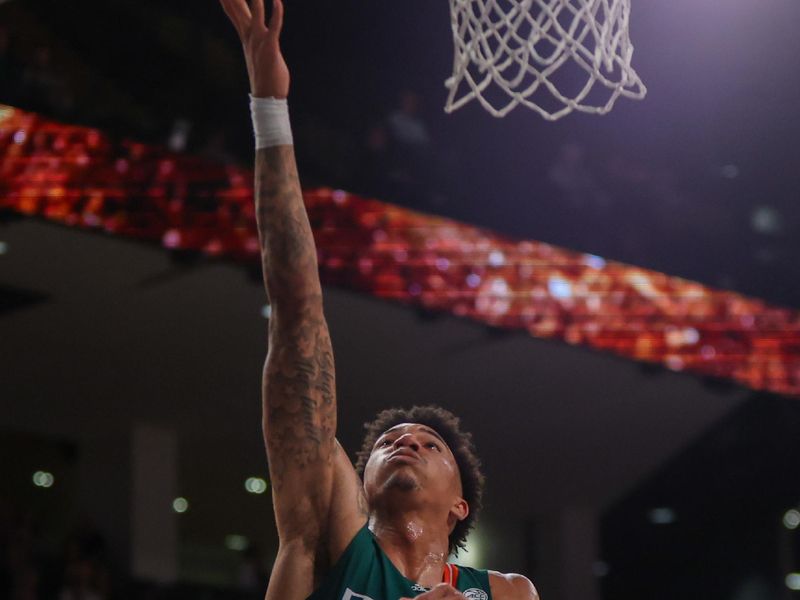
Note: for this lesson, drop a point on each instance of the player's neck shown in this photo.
(415, 546)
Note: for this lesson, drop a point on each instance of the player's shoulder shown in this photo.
(511, 586)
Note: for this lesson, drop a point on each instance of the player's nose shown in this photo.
(408, 440)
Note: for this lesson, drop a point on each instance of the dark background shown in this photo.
(698, 180)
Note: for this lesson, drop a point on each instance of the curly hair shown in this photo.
(460, 443)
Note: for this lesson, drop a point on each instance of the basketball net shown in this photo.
(509, 53)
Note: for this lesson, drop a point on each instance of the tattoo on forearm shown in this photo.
(300, 388)
(287, 244)
(300, 397)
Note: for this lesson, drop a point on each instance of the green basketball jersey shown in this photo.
(364, 572)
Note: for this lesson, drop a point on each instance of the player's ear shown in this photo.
(460, 510)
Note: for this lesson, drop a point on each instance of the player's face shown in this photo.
(412, 457)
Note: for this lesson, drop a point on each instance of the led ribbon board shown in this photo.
(80, 177)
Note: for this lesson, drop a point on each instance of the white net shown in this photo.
(552, 56)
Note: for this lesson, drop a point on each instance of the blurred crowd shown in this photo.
(31, 78)
(393, 157)
(34, 565)
(38, 563)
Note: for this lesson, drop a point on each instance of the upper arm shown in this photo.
(511, 586)
(317, 495)
(299, 421)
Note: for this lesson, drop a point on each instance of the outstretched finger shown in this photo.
(276, 20)
(257, 6)
(238, 12)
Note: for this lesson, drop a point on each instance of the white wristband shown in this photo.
(271, 122)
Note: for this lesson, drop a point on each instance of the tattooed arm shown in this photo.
(317, 497)
(299, 403)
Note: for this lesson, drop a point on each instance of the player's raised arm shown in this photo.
(299, 404)
(317, 496)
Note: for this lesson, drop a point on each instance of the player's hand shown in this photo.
(269, 75)
(442, 591)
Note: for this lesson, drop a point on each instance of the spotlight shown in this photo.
(791, 520)
(793, 581)
(255, 485)
(661, 516)
(180, 505)
(43, 479)
(236, 542)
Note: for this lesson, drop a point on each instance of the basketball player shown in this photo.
(387, 538)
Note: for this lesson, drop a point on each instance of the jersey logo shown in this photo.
(351, 595)
(476, 594)
(418, 588)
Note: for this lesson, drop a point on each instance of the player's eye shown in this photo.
(434, 446)
(385, 442)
